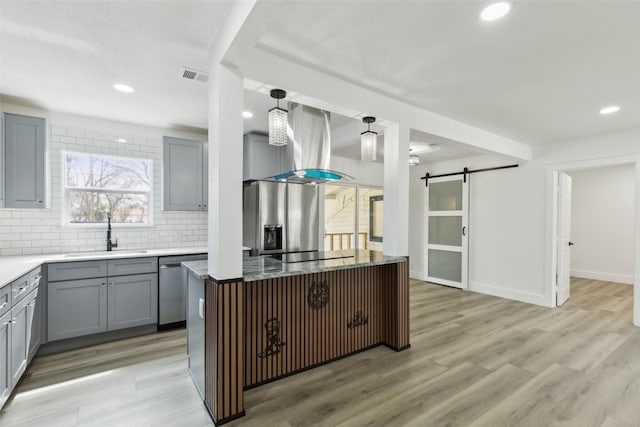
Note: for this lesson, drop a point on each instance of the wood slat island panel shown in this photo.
(298, 322)
(284, 319)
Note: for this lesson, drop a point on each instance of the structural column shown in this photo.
(396, 191)
(224, 359)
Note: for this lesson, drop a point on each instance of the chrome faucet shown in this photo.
(110, 245)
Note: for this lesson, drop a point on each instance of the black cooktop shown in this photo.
(313, 256)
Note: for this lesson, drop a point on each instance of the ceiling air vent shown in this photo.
(191, 74)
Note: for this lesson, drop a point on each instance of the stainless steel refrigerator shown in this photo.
(280, 217)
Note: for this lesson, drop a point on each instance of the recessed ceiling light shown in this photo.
(119, 139)
(495, 11)
(247, 114)
(610, 109)
(123, 88)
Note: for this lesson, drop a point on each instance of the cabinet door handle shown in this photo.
(111, 284)
(21, 290)
(205, 205)
(4, 304)
(103, 284)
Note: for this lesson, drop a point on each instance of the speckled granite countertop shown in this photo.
(198, 268)
(264, 267)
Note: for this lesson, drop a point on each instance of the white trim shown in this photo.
(439, 281)
(445, 213)
(527, 297)
(551, 219)
(606, 277)
(445, 248)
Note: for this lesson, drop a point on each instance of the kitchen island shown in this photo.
(285, 317)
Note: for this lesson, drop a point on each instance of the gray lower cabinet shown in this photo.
(36, 312)
(24, 166)
(89, 306)
(76, 308)
(21, 322)
(5, 360)
(132, 301)
(17, 332)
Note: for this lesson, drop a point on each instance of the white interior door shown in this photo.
(564, 238)
(447, 229)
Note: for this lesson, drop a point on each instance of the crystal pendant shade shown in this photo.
(368, 145)
(414, 160)
(278, 126)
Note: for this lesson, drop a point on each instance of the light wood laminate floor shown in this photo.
(475, 360)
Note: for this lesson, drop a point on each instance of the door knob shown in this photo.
(571, 243)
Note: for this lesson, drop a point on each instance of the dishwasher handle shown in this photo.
(165, 266)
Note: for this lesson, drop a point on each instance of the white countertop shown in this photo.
(12, 267)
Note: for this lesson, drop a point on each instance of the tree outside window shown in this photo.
(96, 185)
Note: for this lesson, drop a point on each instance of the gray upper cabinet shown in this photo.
(132, 301)
(261, 160)
(24, 165)
(184, 175)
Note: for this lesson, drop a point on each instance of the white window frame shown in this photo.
(356, 217)
(65, 193)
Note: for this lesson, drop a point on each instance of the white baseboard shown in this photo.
(495, 291)
(606, 277)
(527, 297)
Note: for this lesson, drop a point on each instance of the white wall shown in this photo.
(510, 235)
(602, 213)
(364, 173)
(37, 231)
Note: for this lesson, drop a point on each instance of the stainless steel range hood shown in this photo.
(308, 149)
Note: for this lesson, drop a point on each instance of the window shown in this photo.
(95, 185)
(353, 217)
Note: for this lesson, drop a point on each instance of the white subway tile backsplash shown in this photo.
(26, 231)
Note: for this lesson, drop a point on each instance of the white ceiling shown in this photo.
(259, 105)
(430, 148)
(541, 74)
(66, 55)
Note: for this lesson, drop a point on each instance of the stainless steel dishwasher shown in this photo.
(172, 292)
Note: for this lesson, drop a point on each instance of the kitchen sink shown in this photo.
(105, 253)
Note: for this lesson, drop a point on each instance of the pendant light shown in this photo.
(278, 120)
(368, 141)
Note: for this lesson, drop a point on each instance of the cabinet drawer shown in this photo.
(34, 279)
(5, 299)
(77, 270)
(19, 289)
(121, 267)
